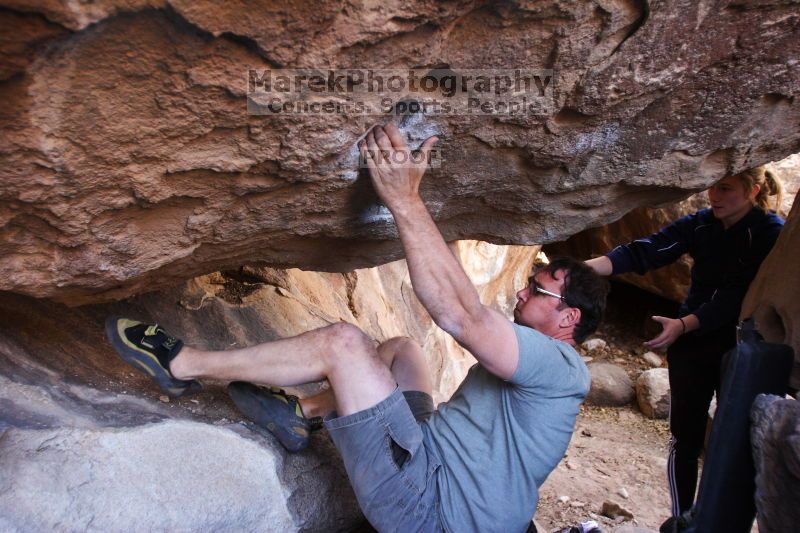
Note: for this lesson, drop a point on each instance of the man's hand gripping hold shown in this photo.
(438, 279)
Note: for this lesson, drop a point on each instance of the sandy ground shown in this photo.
(613, 453)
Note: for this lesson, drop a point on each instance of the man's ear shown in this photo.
(570, 317)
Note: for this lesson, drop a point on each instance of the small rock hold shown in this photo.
(587, 359)
(563, 499)
(611, 386)
(652, 359)
(653, 394)
(572, 466)
(164, 398)
(614, 510)
(623, 492)
(594, 344)
(577, 504)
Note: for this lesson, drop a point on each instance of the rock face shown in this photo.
(611, 386)
(652, 393)
(103, 479)
(86, 444)
(128, 161)
(773, 299)
(775, 435)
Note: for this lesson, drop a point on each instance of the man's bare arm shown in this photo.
(438, 279)
(601, 265)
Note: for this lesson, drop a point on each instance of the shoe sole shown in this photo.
(144, 361)
(265, 411)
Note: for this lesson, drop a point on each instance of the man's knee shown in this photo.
(346, 341)
(399, 344)
(405, 347)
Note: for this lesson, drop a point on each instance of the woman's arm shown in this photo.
(657, 250)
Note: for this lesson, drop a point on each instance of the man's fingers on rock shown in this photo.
(428, 145)
(382, 139)
(395, 137)
(371, 166)
(372, 146)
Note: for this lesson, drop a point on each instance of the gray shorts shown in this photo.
(391, 471)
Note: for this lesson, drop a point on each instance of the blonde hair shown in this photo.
(769, 185)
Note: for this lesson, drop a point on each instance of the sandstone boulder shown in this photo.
(611, 386)
(652, 393)
(773, 299)
(775, 434)
(129, 161)
(107, 479)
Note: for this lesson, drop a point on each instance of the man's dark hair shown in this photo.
(583, 288)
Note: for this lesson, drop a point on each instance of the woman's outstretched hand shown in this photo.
(672, 329)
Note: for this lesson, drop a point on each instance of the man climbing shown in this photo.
(473, 464)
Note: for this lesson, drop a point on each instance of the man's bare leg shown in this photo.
(406, 361)
(342, 353)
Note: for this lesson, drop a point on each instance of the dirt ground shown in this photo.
(616, 454)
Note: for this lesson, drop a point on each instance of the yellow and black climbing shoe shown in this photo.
(149, 349)
(279, 413)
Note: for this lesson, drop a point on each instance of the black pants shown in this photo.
(694, 376)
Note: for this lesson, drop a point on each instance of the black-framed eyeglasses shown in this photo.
(533, 287)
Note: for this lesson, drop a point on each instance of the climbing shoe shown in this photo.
(274, 410)
(149, 349)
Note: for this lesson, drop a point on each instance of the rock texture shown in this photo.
(773, 299)
(652, 359)
(128, 161)
(775, 435)
(611, 386)
(103, 479)
(652, 393)
(88, 436)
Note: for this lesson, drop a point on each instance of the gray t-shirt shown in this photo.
(499, 440)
